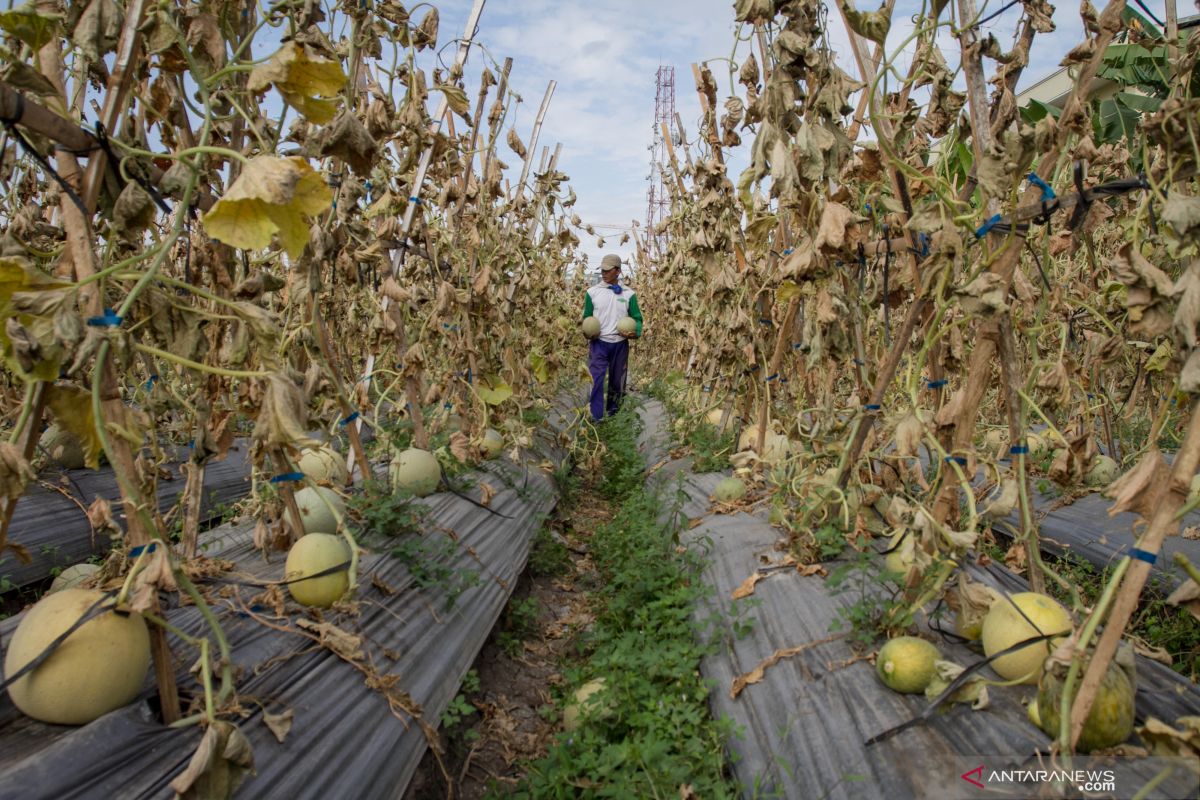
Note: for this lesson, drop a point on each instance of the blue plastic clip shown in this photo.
(108, 319)
(935, 384)
(349, 419)
(1047, 191)
(1018, 450)
(872, 407)
(787, 252)
(151, 381)
(960, 460)
(287, 477)
(147, 548)
(415, 200)
(983, 229)
(772, 377)
(1142, 555)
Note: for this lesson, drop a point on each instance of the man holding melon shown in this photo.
(611, 318)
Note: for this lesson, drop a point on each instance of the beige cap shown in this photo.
(610, 261)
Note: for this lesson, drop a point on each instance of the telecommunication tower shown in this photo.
(658, 201)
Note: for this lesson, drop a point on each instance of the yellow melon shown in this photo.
(1110, 720)
(1005, 626)
(320, 509)
(416, 471)
(729, 490)
(62, 446)
(591, 327)
(584, 704)
(627, 326)
(313, 554)
(905, 664)
(100, 667)
(492, 443)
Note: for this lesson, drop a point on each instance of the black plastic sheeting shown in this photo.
(53, 527)
(803, 727)
(345, 740)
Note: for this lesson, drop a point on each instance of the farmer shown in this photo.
(609, 301)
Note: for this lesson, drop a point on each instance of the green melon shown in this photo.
(492, 443)
(416, 471)
(1110, 721)
(729, 490)
(591, 327)
(99, 668)
(627, 326)
(63, 448)
(311, 555)
(72, 576)
(1103, 472)
(323, 464)
(315, 511)
(905, 664)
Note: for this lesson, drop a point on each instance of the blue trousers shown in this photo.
(611, 359)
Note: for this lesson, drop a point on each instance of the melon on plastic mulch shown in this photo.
(1110, 721)
(323, 464)
(1103, 472)
(416, 471)
(99, 668)
(313, 554)
(584, 703)
(591, 327)
(492, 443)
(72, 576)
(905, 664)
(729, 489)
(627, 326)
(1005, 626)
(315, 511)
(62, 447)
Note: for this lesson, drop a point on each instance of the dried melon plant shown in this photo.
(267, 220)
(909, 280)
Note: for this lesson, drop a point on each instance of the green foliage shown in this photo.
(623, 465)
(865, 617)
(655, 733)
(519, 624)
(461, 709)
(395, 521)
(549, 557)
(710, 447)
(1160, 625)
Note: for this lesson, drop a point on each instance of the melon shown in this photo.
(591, 327)
(1004, 626)
(901, 553)
(905, 664)
(72, 576)
(584, 704)
(323, 464)
(776, 446)
(62, 447)
(416, 471)
(993, 440)
(315, 512)
(1103, 472)
(627, 326)
(492, 443)
(729, 490)
(313, 554)
(1110, 721)
(99, 668)
(1194, 491)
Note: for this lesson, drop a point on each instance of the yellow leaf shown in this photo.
(456, 98)
(304, 77)
(72, 409)
(494, 391)
(541, 370)
(271, 195)
(32, 28)
(786, 291)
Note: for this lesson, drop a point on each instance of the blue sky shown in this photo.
(604, 55)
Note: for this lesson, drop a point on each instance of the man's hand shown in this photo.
(630, 335)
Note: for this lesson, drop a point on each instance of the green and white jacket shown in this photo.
(607, 304)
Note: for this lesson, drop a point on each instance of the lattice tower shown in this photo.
(658, 201)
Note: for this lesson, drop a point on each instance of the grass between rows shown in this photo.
(649, 732)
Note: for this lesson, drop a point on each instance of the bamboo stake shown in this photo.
(519, 200)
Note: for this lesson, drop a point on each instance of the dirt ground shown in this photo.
(487, 752)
